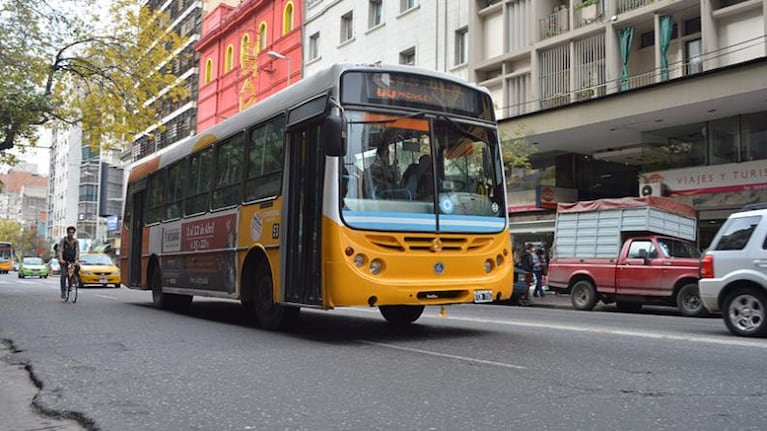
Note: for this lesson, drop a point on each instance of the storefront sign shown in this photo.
(731, 177)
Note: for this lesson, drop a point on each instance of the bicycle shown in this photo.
(72, 284)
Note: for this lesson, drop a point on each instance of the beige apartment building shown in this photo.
(627, 98)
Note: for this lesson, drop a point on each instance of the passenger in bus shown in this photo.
(385, 176)
(418, 178)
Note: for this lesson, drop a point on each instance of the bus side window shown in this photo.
(229, 161)
(156, 197)
(265, 158)
(176, 181)
(200, 171)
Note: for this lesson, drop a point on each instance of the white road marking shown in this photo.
(445, 355)
(729, 341)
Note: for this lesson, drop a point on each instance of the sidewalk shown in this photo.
(16, 395)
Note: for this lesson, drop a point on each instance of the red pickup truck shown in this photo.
(631, 251)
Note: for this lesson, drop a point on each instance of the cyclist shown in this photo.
(68, 252)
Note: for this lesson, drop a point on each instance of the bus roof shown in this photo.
(313, 85)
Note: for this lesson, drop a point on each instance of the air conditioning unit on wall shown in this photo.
(651, 189)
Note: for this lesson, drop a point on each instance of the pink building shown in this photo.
(247, 52)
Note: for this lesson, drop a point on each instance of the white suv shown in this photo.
(733, 272)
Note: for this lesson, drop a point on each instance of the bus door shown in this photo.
(301, 249)
(137, 202)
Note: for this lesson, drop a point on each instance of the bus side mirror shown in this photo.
(334, 136)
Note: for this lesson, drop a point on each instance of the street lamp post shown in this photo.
(279, 56)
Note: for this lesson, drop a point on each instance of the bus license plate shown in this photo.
(483, 296)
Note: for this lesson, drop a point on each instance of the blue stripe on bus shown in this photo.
(423, 222)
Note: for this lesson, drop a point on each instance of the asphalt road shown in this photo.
(113, 362)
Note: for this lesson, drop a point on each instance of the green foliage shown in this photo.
(585, 3)
(81, 68)
(26, 241)
(515, 148)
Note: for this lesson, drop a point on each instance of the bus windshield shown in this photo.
(421, 173)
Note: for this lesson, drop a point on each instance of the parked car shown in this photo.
(521, 287)
(54, 268)
(98, 268)
(32, 267)
(733, 272)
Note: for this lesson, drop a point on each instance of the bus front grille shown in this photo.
(429, 243)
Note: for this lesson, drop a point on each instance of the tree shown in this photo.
(515, 149)
(79, 68)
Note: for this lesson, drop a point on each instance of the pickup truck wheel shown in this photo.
(583, 295)
(688, 301)
(744, 312)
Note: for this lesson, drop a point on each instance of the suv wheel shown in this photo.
(744, 312)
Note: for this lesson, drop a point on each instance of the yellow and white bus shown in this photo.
(280, 206)
(6, 257)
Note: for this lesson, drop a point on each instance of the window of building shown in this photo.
(675, 147)
(753, 130)
(287, 18)
(723, 141)
(264, 161)
(647, 39)
(693, 59)
(461, 46)
(244, 48)
(229, 161)
(692, 26)
(314, 46)
(407, 57)
(405, 5)
(261, 36)
(375, 13)
(347, 26)
(229, 59)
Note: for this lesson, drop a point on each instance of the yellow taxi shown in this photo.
(97, 268)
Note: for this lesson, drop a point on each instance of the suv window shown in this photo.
(736, 232)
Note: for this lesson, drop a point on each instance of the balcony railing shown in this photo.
(627, 5)
(590, 81)
(554, 24)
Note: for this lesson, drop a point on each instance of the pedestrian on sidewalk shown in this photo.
(538, 264)
(527, 263)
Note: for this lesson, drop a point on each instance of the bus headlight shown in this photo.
(359, 260)
(376, 266)
(488, 265)
(498, 260)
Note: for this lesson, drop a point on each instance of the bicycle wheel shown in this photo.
(66, 291)
(75, 287)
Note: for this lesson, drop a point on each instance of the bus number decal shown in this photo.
(275, 230)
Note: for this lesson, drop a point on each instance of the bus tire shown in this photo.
(269, 314)
(583, 295)
(401, 315)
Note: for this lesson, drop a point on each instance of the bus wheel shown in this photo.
(269, 314)
(167, 301)
(401, 314)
